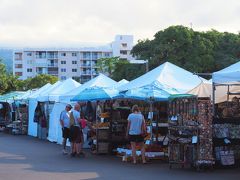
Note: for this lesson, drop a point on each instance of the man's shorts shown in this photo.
(75, 134)
(65, 133)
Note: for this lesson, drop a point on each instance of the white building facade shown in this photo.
(77, 63)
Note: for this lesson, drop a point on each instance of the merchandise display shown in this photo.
(205, 147)
(183, 131)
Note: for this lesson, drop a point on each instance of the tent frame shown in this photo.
(214, 85)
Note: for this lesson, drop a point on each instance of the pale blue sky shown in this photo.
(68, 22)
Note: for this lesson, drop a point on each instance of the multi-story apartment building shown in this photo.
(78, 63)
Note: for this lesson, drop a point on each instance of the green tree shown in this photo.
(3, 78)
(38, 81)
(107, 65)
(195, 51)
(8, 82)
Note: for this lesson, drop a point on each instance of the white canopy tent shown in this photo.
(54, 131)
(229, 74)
(167, 74)
(227, 81)
(121, 83)
(100, 81)
(44, 96)
(32, 104)
(60, 89)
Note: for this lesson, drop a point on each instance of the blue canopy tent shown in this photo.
(151, 92)
(97, 93)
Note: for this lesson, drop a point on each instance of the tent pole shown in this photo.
(213, 98)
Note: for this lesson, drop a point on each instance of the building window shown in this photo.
(18, 65)
(95, 55)
(74, 70)
(86, 55)
(74, 54)
(18, 56)
(124, 45)
(63, 70)
(52, 54)
(74, 62)
(63, 62)
(63, 77)
(40, 54)
(29, 69)
(18, 73)
(107, 54)
(29, 62)
(29, 54)
(63, 54)
(123, 52)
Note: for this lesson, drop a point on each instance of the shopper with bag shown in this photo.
(136, 130)
(75, 131)
(65, 124)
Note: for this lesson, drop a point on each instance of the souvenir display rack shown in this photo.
(183, 131)
(226, 133)
(205, 151)
(21, 125)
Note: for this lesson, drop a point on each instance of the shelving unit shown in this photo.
(226, 141)
(183, 132)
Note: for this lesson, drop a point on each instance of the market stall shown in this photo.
(13, 113)
(190, 131)
(226, 120)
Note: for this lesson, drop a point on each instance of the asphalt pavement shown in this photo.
(28, 158)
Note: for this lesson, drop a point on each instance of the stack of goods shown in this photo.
(183, 131)
(229, 109)
(152, 151)
(205, 134)
(102, 125)
(225, 155)
(226, 130)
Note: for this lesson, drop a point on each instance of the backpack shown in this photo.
(72, 120)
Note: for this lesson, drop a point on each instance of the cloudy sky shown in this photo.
(69, 22)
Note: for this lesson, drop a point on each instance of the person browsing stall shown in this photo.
(135, 131)
(76, 131)
(65, 124)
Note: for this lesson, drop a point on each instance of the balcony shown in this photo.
(85, 64)
(53, 73)
(52, 65)
(85, 73)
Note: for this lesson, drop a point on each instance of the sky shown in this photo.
(38, 23)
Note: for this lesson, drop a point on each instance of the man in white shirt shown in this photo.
(65, 124)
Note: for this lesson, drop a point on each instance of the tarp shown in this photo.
(97, 93)
(167, 74)
(227, 75)
(121, 83)
(25, 96)
(58, 90)
(10, 97)
(151, 92)
(100, 81)
(203, 90)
